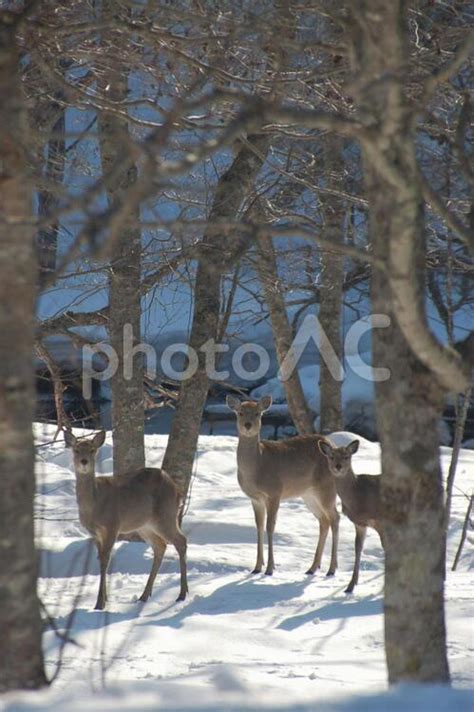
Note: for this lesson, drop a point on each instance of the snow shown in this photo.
(239, 642)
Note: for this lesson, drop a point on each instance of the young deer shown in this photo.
(360, 497)
(270, 471)
(146, 501)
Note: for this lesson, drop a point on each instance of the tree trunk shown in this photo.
(20, 622)
(465, 527)
(217, 253)
(331, 289)
(408, 409)
(462, 407)
(128, 415)
(282, 333)
(408, 403)
(49, 199)
(128, 421)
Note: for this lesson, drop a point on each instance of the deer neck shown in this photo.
(248, 452)
(345, 486)
(86, 495)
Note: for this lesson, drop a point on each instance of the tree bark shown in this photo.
(128, 419)
(218, 252)
(408, 403)
(331, 289)
(282, 333)
(49, 199)
(20, 622)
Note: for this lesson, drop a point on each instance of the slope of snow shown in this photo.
(289, 642)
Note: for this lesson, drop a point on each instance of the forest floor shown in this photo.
(238, 642)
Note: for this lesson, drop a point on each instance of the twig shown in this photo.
(464, 533)
(461, 415)
(451, 220)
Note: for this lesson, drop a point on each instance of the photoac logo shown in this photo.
(309, 331)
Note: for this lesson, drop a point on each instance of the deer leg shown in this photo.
(180, 544)
(334, 543)
(323, 533)
(159, 547)
(259, 512)
(272, 511)
(104, 548)
(359, 543)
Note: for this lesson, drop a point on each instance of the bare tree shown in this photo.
(462, 406)
(410, 401)
(217, 254)
(331, 286)
(282, 332)
(48, 197)
(20, 622)
(128, 420)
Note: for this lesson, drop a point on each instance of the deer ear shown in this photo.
(232, 402)
(69, 439)
(264, 403)
(353, 447)
(98, 439)
(325, 448)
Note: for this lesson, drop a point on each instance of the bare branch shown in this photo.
(450, 67)
(71, 320)
(437, 204)
(63, 421)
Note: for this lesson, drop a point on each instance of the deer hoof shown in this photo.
(256, 571)
(99, 606)
(144, 598)
(269, 573)
(349, 589)
(309, 572)
(181, 597)
(330, 573)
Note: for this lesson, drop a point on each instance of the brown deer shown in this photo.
(360, 497)
(270, 471)
(146, 501)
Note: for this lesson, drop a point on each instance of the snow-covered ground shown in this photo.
(239, 641)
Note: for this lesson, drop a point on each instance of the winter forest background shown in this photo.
(224, 172)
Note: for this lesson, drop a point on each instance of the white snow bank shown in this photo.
(148, 696)
(239, 642)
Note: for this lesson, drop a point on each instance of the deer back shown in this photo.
(287, 468)
(129, 501)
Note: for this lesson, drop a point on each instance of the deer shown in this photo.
(359, 495)
(270, 471)
(146, 501)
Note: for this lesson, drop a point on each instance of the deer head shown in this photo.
(84, 451)
(249, 414)
(339, 458)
